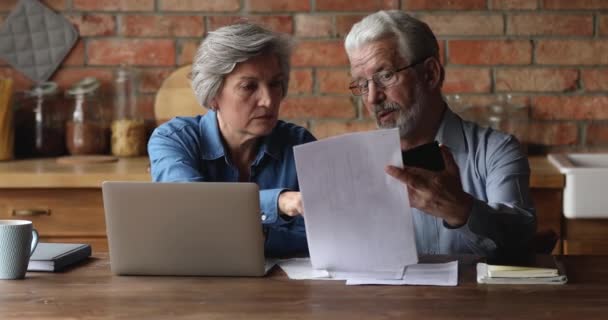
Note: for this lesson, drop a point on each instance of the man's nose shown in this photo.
(375, 93)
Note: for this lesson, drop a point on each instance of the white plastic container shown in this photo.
(586, 190)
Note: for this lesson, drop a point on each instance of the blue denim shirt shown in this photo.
(191, 149)
(496, 173)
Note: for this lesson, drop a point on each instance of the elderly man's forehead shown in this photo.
(386, 50)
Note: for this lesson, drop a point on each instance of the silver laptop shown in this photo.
(184, 229)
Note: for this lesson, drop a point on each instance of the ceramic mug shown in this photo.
(18, 240)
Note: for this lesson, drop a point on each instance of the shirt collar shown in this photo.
(212, 146)
(450, 131)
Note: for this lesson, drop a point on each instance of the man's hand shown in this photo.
(290, 203)
(437, 193)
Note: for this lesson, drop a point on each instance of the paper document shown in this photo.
(358, 218)
(431, 274)
(423, 274)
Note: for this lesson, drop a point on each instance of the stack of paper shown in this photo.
(496, 274)
(429, 274)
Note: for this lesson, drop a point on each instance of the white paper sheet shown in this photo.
(430, 274)
(424, 274)
(358, 218)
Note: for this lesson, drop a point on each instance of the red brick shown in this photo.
(490, 52)
(94, 24)
(283, 24)
(300, 81)
(136, 52)
(345, 23)
(552, 133)
(583, 52)
(595, 79)
(603, 25)
(187, 51)
(313, 25)
(550, 24)
(536, 79)
(514, 4)
(319, 53)
(575, 4)
(162, 26)
(277, 5)
(570, 108)
(66, 77)
(152, 79)
(473, 80)
(76, 56)
(199, 5)
(464, 24)
(324, 129)
(20, 81)
(333, 81)
(350, 5)
(113, 5)
(318, 108)
(597, 133)
(443, 4)
(482, 101)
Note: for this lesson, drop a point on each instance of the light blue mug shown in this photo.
(18, 240)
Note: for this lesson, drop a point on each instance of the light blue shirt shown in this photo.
(191, 149)
(495, 171)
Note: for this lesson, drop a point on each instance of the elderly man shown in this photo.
(480, 202)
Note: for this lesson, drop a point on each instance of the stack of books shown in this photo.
(500, 274)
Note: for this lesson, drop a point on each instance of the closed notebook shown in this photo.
(495, 274)
(56, 256)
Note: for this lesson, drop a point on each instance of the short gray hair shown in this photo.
(223, 48)
(415, 39)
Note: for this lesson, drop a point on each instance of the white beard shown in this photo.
(407, 119)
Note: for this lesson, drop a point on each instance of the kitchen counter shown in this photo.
(47, 173)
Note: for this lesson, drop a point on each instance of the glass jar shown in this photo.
(39, 122)
(128, 128)
(85, 128)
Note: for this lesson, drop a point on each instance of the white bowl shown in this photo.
(585, 193)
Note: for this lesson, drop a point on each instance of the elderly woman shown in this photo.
(241, 74)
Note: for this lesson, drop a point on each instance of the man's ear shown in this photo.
(434, 73)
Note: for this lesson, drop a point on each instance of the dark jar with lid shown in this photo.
(39, 122)
(85, 128)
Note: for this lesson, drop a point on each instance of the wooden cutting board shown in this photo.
(176, 98)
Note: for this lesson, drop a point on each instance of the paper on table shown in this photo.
(433, 274)
(424, 274)
(358, 218)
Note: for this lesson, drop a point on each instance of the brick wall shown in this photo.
(551, 54)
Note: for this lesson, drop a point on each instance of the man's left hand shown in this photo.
(437, 193)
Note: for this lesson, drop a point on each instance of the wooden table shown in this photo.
(90, 291)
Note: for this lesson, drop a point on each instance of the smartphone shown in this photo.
(427, 156)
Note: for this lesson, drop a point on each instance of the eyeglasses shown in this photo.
(382, 79)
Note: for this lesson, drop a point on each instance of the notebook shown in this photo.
(184, 229)
(548, 273)
(56, 256)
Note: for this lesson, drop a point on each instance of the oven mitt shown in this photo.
(34, 39)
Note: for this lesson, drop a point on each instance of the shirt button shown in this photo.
(263, 217)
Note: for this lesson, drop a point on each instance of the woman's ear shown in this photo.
(213, 104)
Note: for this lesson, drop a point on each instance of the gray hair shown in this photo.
(223, 48)
(415, 39)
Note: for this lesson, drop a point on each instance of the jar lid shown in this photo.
(42, 89)
(85, 86)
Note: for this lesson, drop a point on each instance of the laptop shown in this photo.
(184, 229)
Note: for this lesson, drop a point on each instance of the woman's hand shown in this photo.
(290, 203)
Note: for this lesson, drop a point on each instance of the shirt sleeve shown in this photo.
(172, 159)
(286, 240)
(505, 224)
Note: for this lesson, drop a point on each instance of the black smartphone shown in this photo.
(427, 156)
